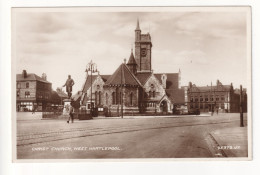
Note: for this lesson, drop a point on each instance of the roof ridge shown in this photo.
(136, 79)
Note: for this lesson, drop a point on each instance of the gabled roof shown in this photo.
(172, 81)
(88, 81)
(123, 76)
(76, 96)
(176, 95)
(30, 77)
(143, 77)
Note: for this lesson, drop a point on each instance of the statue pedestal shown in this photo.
(66, 106)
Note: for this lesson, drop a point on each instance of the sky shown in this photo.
(205, 46)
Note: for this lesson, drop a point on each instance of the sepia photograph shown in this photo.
(131, 83)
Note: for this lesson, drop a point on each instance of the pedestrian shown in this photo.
(212, 112)
(34, 109)
(71, 112)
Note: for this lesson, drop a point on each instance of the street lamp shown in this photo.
(92, 68)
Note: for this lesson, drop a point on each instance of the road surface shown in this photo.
(149, 137)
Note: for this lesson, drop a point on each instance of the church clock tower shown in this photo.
(143, 50)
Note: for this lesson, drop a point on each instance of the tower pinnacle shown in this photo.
(137, 26)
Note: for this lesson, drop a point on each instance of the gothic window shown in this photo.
(27, 85)
(131, 99)
(96, 94)
(106, 99)
(150, 94)
(113, 98)
(27, 94)
(120, 98)
(99, 96)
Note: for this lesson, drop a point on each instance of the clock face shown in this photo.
(143, 52)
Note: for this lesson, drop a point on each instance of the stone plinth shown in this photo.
(66, 106)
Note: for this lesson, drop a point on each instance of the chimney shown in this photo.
(24, 74)
(217, 82)
(44, 76)
(190, 84)
(164, 78)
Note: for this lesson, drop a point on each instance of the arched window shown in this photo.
(117, 96)
(150, 94)
(131, 98)
(113, 98)
(27, 85)
(120, 98)
(106, 99)
(99, 100)
(96, 94)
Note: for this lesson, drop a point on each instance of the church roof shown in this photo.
(122, 74)
(88, 81)
(176, 95)
(143, 77)
(172, 81)
(131, 59)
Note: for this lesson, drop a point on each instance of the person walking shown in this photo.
(71, 113)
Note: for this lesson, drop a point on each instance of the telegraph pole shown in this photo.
(121, 91)
(241, 107)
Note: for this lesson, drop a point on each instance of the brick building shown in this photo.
(134, 85)
(32, 92)
(223, 98)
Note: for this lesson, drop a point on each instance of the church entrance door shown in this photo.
(164, 107)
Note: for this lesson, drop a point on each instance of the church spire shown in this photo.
(137, 26)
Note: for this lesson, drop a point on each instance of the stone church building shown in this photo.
(134, 87)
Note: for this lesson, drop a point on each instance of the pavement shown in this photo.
(132, 137)
(232, 141)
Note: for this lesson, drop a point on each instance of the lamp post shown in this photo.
(92, 68)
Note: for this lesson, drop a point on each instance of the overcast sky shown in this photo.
(206, 46)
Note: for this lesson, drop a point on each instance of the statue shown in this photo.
(69, 83)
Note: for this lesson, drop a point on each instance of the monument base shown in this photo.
(66, 106)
